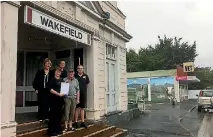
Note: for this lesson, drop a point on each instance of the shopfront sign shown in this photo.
(178, 78)
(188, 67)
(38, 19)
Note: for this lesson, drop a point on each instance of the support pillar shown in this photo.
(93, 111)
(8, 59)
(177, 90)
(149, 90)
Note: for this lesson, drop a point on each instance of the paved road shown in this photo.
(161, 121)
(199, 124)
(192, 121)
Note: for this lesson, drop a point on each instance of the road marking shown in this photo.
(205, 127)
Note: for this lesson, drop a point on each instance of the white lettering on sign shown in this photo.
(43, 21)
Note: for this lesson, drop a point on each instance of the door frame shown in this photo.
(26, 109)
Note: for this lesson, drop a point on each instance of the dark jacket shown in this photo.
(63, 73)
(38, 82)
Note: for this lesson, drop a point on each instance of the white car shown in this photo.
(205, 100)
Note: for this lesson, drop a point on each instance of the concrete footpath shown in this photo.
(206, 128)
(161, 120)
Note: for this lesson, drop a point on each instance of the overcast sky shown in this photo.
(192, 20)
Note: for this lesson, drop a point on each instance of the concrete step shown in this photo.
(30, 126)
(37, 129)
(116, 132)
(79, 132)
(119, 134)
(103, 132)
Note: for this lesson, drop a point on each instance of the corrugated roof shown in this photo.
(157, 73)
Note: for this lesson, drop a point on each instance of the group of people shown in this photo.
(55, 106)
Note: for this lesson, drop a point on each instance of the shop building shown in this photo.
(88, 33)
(160, 85)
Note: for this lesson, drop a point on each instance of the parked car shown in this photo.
(205, 100)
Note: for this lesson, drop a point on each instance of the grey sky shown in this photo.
(192, 20)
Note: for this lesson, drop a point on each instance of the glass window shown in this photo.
(19, 99)
(20, 69)
(110, 51)
(30, 98)
(34, 61)
(113, 52)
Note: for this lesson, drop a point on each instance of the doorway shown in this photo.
(28, 64)
(78, 58)
(111, 86)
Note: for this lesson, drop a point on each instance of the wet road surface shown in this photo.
(161, 120)
(192, 121)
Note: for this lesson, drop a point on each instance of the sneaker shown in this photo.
(65, 130)
(83, 124)
(71, 129)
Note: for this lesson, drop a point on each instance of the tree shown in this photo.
(166, 54)
(132, 59)
(205, 75)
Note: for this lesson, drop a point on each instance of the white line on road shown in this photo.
(205, 127)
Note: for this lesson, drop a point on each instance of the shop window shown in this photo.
(20, 69)
(34, 61)
(19, 99)
(110, 51)
(30, 98)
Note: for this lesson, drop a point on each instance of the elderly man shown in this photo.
(71, 100)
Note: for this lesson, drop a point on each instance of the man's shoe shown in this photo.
(71, 129)
(83, 124)
(76, 125)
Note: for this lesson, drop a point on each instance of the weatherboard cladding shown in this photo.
(157, 73)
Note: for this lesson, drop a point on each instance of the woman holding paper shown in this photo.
(56, 104)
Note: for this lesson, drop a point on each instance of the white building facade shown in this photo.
(77, 32)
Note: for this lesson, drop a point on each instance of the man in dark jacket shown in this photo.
(83, 80)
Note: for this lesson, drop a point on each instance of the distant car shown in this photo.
(205, 100)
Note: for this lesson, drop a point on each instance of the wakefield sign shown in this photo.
(38, 19)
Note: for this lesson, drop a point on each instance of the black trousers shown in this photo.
(56, 113)
(43, 104)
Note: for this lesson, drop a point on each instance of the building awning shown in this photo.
(189, 79)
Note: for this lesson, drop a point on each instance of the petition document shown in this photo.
(65, 88)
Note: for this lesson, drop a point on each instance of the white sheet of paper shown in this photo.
(64, 88)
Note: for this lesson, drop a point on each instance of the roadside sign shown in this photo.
(188, 67)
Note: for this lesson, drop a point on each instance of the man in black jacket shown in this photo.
(83, 81)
